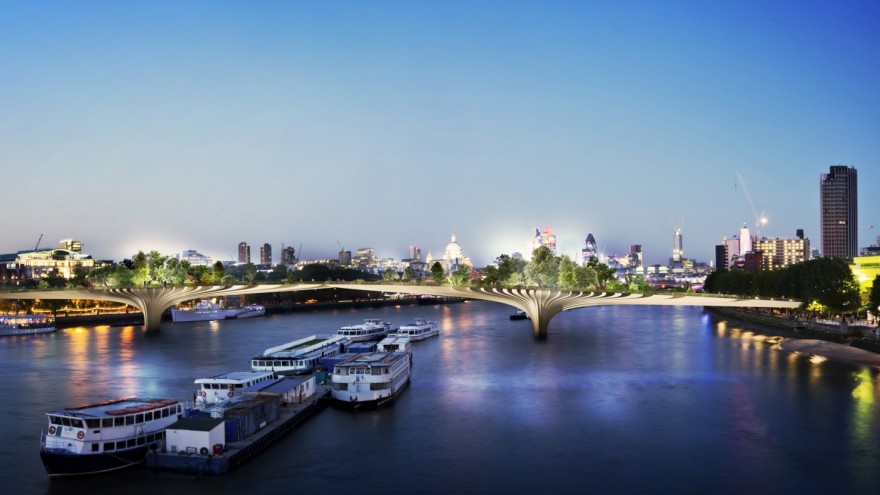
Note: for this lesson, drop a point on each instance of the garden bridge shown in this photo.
(540, 304)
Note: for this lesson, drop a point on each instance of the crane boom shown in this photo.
(38, 242)
(760, 218)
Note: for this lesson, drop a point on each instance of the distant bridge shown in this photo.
(540, 304)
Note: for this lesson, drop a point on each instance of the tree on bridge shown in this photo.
(543, 269)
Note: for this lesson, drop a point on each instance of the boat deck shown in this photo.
(238, 452)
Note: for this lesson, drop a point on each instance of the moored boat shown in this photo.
(250, 311)
(227, 385)
(370, 329)
(371, 379)
(420, 329)
(519, 315)
(209, 311)
(105, 436)
(300, 356)
(26, 324)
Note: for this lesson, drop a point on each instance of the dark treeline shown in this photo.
(822, 284)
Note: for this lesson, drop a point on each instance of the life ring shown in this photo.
(229, 394)
(51, 430)
(204, 394)
(203, 451)
(80, 435)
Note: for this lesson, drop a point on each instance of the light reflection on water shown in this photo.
(617, 400)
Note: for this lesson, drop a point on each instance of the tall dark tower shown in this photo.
(244, 253)
(839, 212)
(266, 255)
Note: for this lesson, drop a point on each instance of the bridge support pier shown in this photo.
(152, 320)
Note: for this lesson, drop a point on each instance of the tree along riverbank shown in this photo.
(856, 334)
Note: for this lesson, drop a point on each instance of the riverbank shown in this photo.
(852, 344)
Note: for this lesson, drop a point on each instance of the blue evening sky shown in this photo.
(197, 125)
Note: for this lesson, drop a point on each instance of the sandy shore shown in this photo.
(832, 351)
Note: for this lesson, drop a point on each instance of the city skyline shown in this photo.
(169, 126)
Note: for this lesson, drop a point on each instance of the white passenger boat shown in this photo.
(371, 379)
(209, 311)
(418, 330)
(26, 324)
(370, 329)
(300, 356)
(227, 385)
(101, 437)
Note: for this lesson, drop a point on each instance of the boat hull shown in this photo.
(8, 332)
(352, 403)
(64, 464)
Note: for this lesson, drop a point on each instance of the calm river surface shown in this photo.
(616, 400)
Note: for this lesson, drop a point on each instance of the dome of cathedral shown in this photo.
(453, 250)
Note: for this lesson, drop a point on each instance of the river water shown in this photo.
(616, 400)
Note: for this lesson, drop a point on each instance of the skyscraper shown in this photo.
(589, 250)
(677, 246)
(266, 255)
(839, 212)
(244, 253)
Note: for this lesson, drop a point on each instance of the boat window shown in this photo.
(139, 418)
(148, 416)
(109, 447)
(164, 412)
(107, 423)
(55, 420)
(119, 421)
(130, 443)
(129, 420)
(120, 445)
(141, 441)
(95, 447)
(65, 421)
(93, 423)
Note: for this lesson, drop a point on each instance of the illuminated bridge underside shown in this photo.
(540, 304)
(543, 304)
(154, 301)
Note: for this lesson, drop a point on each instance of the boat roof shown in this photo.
(394, 340)
(285, 385)
(236, 376)
(196, 424)
(303, 347)
(114, 407)
(374, 358)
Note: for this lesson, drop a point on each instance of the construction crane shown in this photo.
(38, 242)
(760, 218)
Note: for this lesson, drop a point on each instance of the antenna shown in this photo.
(760, 218)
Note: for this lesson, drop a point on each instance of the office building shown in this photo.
(244, 253)
(838, 202)
(779, 253)
(288, 255)
(266, 255)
